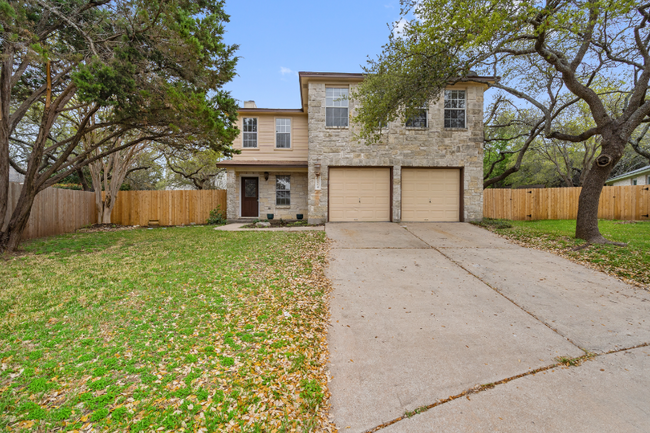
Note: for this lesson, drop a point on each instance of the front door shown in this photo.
(249, 197)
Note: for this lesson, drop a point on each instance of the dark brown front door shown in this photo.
(249, 197)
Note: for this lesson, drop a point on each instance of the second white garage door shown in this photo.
(359, 194)
(430, 194)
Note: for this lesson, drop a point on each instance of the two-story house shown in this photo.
(307, 161)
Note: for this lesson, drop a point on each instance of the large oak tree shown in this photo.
(156, 67)
(548, 55)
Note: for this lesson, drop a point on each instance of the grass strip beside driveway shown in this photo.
(179, 329)
(631, 263)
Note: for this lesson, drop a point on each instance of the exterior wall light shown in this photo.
(266, 175)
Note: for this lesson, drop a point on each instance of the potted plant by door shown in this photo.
(269, 216)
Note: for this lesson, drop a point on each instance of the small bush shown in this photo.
(494, 223)
(217, 216)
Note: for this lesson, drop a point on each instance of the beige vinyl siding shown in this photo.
(431, 194)
(641, 179)
(266, 139)
(359, 194)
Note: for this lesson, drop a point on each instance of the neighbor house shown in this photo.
(307, 161)
(634, 177)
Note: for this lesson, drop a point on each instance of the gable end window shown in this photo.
(283, 190)
(419, 119)
(454, 109)
(283, 133)
(250, 132)
(336, 107)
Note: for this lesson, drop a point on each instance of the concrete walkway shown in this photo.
(422, 313)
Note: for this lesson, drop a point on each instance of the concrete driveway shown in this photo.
(423, 313)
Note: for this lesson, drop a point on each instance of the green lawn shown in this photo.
(166, 329)
(629, 263)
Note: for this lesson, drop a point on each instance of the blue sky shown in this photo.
(279, 38)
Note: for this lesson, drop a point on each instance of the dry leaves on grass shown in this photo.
(169, 330)
(625, 265)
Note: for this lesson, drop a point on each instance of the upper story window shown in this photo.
(419, 119)
(336, 107)
(283, 133)
(634, 182)
(283, 190)
(454, 109)
(250, 132)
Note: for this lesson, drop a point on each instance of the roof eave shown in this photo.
(634, 173)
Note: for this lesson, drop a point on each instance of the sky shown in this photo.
(279, 38)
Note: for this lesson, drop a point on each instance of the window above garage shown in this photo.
(336, 107)
(419, 119)
(455, 105)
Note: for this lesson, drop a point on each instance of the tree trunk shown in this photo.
(5, 106)
(106, 215)
(84, 182)
(106, 208)
(10, 238)
(587, 220)
(4, 171)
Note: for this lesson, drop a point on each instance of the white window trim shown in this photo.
(327, 106)
(426, 119)
(257, 135)
(276, 191)
(275, 121)
(457, 109)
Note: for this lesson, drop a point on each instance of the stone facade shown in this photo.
(434, 146)
(267, 194)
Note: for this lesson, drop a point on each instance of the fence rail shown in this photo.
(616, 202)
(168, 208)
(55, 211)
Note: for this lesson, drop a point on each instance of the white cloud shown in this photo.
(398, 28)
(287, 71)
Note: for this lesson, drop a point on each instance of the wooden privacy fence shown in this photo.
(166, 208)
(616, 202)
(55, 211)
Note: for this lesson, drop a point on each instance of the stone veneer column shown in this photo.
(233, 199)
(397, 193)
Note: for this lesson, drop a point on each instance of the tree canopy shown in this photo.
(547, 55)
(155, 66)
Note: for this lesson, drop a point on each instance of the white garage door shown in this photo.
(359, 194)
(430, 194)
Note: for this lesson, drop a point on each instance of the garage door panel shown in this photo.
(430, 194)
(363, 194)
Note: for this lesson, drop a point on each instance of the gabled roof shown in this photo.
(334, 77)
(629, 174)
